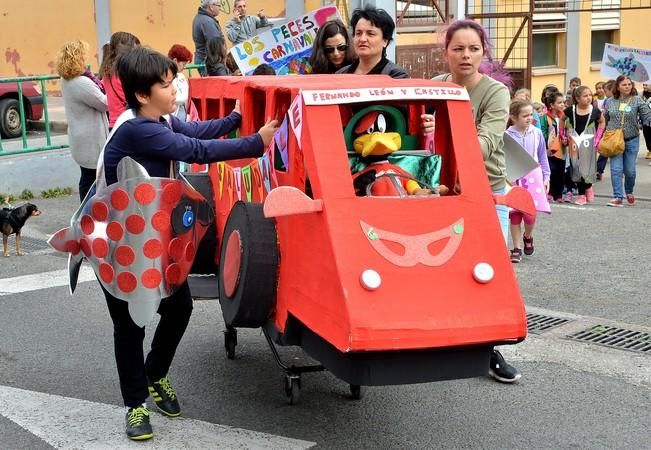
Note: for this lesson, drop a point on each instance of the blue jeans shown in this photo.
(625, 163)
(503, 216)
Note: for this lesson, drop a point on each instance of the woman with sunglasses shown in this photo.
(332, 49)
(372, 32)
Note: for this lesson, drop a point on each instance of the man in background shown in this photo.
(204, 28)
(242, 27)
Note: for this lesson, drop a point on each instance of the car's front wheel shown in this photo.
(10, 123)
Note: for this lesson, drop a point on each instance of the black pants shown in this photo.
(646, 131)
(133, 369)
(601, 164)
(85, 181)
(556, 177)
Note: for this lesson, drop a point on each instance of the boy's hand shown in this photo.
(428, 123)
(268, 130)
(237, 107)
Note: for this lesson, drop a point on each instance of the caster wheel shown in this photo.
(292, 389)
(355, 391)
(230, 342)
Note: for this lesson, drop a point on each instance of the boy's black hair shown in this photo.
(264, 69)
(378, 18)
(139, 69)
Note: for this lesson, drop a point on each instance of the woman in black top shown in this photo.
(372, 32)
(332, 48)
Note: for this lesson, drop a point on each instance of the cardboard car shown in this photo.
(379, 290)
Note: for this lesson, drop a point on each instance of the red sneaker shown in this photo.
(630, 198)
(616, 202)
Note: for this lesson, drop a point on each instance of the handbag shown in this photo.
(612, 142)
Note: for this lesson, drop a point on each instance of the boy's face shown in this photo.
(162, 98)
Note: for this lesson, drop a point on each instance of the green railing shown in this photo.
(23, 122)
(46, 117)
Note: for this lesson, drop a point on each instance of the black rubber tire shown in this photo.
(356, 391)
(10, 124)
(254, 298)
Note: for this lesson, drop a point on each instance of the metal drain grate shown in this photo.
(635, 341)
(539, 323)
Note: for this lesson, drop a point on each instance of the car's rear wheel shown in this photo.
(10, 123)
(248, 267)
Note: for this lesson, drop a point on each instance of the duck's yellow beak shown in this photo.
(377, 144)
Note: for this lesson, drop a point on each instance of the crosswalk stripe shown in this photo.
(69, 423)
(43, 280)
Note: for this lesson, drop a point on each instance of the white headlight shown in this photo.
(370, 279)
(483, 273)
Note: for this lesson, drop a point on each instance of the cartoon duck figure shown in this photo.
(376, 132)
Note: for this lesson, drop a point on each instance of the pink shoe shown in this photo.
(581, 200)
(568, 197)
(589, 195)
(617, 202)
(630, 198)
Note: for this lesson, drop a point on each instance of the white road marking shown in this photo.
(69, 423)
(43, 280)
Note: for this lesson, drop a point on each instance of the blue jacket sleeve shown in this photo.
(155, 140)
(206, 129)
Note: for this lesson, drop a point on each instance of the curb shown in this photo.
(57, 126)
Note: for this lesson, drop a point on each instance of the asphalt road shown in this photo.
(591, 266)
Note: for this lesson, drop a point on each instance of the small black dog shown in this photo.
(12, 221)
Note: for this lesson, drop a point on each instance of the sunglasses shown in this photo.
(340, 48)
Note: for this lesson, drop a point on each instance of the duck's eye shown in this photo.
(381, 123)
(370, 129)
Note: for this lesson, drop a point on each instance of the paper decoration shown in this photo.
(635, 63)
(295, 114)
(518, 161)
(287, 47)
(237, 176)
(366, 95)
(281, 142)
(246, 179)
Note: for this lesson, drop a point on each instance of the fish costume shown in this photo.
(140, 235)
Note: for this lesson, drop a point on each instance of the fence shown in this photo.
(18, 118)
(9, 113)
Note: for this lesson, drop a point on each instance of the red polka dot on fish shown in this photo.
(85, 246)
(161, 221)
(124, 255)
(100, 248)
(114, 231)
(171, 193)
(87, 224)
(135, 224)
(106, 272)
(175, 249)
(151, 278)
(120, 199)
(127, 282)
(152, 248)
(144, 193)
(173, 274)
(100, 211)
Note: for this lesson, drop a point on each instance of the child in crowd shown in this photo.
(531, 138)
(548, 89)
(539, 108)
(525, 95)
(121, 41)
(148, 133)
(554, 132)
(599, 95)
(602, 161)
(579, 118)
(569, 96)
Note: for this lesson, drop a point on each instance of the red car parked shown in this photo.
(10, 123)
